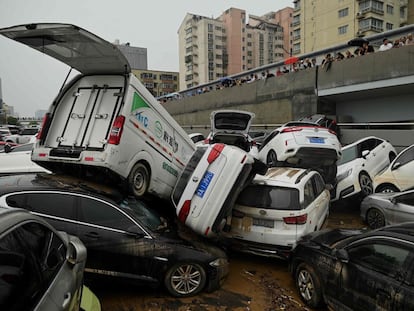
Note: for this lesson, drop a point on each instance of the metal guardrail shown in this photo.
(362, 125)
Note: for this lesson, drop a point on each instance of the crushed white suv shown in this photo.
(210, 183)
(277, 209)
(297, 144)
(361, 161)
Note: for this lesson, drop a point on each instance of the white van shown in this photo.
(104, 120)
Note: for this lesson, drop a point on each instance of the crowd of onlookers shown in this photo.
(360, 47)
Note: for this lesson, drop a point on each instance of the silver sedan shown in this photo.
(381, 209)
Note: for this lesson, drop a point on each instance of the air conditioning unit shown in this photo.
(359, 33)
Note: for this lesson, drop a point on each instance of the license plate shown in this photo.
(316, 140)
(205, 181)
(268, 223)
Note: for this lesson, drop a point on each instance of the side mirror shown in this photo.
(342, 255)
(396, 165)
(134, 232)
(7, 148)
(329, 187)
(76, 252)
(365, 153)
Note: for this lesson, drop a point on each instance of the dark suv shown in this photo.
(125, 239)
(356, 270)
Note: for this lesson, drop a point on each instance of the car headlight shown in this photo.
(219, 262)
(344, 175)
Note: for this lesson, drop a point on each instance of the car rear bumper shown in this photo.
(261, 249)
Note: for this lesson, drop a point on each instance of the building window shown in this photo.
(296, 20)
(390, 9)
(342, 30)
(388, 26)
(210, 27)
(343, 12)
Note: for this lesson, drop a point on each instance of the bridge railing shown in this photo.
(374, 40)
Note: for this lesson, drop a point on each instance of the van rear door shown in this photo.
(84, 117)
(74, 46)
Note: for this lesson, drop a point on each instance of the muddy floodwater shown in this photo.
(254, 283)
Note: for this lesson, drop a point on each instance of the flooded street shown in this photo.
(254, 283)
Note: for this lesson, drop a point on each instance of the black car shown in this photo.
(124, 238)
(356, 270)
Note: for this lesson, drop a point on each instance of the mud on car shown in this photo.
(126, 239)
(349, 269)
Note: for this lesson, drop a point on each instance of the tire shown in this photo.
(375, 218)
(308, 285)
(387, 189)
(185, 279)
(138, 180)
(365, 183)
(271, 159)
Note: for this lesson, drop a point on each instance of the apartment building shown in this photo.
(212, 48)
(283, 18)
(159, 83)
(319, 24)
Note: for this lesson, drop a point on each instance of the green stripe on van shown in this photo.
(138, 102)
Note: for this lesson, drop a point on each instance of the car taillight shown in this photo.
(215, 152)
(184, 211)
(292, 129)
(296, 220)
(43, 128)
(116, 130)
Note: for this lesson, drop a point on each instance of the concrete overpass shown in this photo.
(374, 91)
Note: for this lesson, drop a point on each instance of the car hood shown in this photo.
(189, 239)
(329, 237)
(72, 45)
(231, 121)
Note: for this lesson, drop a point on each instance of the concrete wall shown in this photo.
(273, 100)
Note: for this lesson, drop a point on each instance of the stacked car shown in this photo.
(304, 145)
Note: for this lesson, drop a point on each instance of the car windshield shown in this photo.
(270, 197)
(144, 214)
(348, 154)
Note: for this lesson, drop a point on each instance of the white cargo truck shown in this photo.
(104, 120)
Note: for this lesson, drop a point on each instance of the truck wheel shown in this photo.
(138, 180)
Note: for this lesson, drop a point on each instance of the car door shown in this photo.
(404, 299)
(117, 246)
(402, 169)
(38, 274)
(58, 208)
(320, 206)
(372, 277)
(374, 160)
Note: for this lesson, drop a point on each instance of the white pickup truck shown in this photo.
(23, 137)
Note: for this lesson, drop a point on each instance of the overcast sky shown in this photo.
(30, 80)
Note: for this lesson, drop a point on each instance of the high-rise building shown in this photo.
(319, 24)
(212, 48)
(158, 82)
(283, 18)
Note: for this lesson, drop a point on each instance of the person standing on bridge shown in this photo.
(386, 45)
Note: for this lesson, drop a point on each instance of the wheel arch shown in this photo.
(386, 184)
